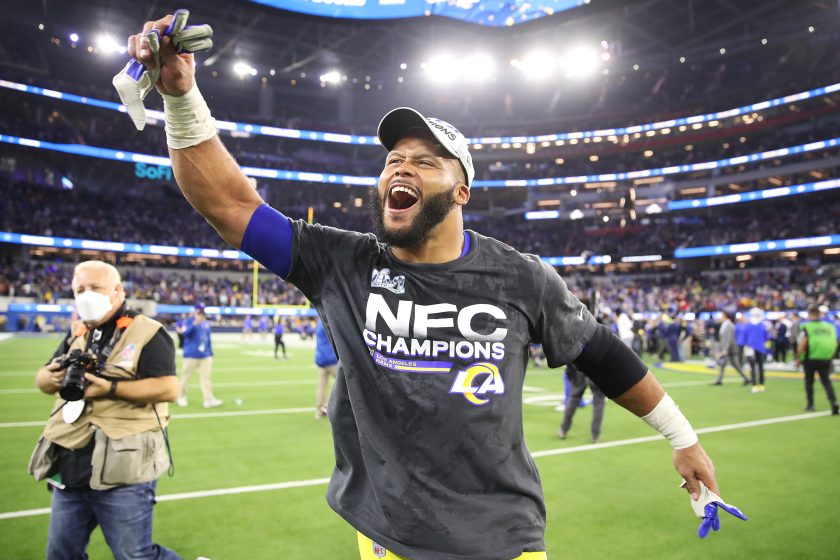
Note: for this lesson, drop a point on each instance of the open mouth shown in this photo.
(402, 197)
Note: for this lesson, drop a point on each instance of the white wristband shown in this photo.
(667, 419)
(188, 119)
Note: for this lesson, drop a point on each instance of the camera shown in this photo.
(77, 363)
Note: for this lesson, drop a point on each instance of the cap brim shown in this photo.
(394, 125)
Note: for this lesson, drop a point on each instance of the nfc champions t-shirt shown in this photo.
(427, 406)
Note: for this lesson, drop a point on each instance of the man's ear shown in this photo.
(462, 194)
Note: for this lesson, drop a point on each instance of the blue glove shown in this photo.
(711, 520)
(706, 507)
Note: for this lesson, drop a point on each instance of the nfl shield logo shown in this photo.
(128, 352)
(379, 550)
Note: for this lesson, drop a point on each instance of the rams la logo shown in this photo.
(466, 382)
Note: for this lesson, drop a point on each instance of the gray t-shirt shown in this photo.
(426, 411)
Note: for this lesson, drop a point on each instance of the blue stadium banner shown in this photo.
(354, 180)
(752, 196)
(192, 252)
(758, 247)
(120, 246)
(496, 14)
(247, 129)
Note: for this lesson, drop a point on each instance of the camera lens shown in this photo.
(73, 386)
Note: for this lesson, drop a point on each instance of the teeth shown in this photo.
(400, 188)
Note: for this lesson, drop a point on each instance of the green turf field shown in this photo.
(604, 502)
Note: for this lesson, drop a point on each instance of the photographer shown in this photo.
(104, 445)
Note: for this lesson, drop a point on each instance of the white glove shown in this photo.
(135, 81)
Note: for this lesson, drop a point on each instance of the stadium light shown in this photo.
(74, 37)
(331, 77)
(580, 62)
(479, 67)
(243, 69)
(537, 65)
(445, 68)
(576, 214)
(442, 68)
(106, 44)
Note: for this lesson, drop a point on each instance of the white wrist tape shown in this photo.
(188, 119)
(667, 419)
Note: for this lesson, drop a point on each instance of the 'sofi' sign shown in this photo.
(153, 172)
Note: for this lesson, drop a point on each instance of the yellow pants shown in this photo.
(368, 550)
(204, 367)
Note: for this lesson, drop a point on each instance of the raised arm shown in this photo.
(206, 173)
(215, 186)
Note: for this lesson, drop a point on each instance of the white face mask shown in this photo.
(92, 306)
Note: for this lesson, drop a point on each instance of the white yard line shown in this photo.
(536, 455)
(188, 416)
(200, 415)
(197, 388)
(709, 430)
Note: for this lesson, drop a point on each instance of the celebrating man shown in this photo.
(431, 324)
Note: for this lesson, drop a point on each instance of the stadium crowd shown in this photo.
(168, 220)
(771, 290)
(50, 282)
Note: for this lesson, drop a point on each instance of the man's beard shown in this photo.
(433, 211)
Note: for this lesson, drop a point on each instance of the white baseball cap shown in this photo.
(393, 126)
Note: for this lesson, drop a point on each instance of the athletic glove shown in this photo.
(706, 508)
(135, 81)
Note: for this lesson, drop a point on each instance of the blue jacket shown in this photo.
(197, 343)
(740, 334)
(756, 336)
(324, 353)
(278, 328)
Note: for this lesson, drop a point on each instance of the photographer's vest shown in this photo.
(117, 418)
(822, 340)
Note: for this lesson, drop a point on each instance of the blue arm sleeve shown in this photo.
(268, 239)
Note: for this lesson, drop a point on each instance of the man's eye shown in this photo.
(393, 161)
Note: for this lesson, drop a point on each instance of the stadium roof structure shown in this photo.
(495, 13)
(646, 30)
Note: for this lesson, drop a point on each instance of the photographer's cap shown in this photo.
(394, 125)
